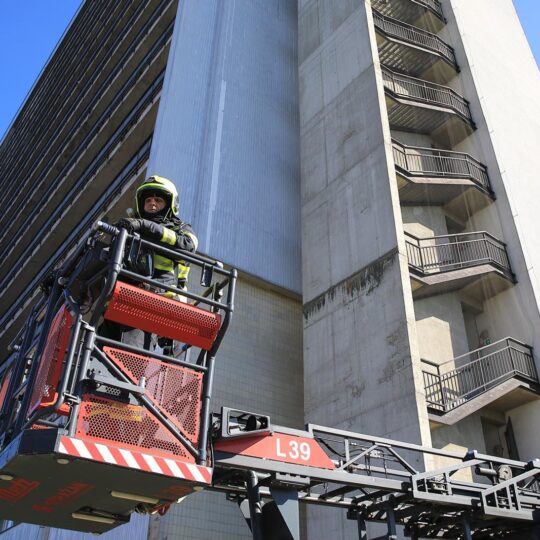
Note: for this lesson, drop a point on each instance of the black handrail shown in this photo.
(423, 38)
(431, 162)
(423, 91)
(444, 253)
(476, 372)
(434, 5)
(431, 5)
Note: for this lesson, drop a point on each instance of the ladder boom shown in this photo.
(383, 480)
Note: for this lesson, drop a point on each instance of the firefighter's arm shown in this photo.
(183, 239)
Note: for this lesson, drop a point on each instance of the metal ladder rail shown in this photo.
(393, 493)
(393, 508)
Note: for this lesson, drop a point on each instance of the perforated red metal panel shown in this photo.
(175, 390)
(126, 426)
(154, 313)
(50, 363)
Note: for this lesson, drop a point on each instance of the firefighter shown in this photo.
(157, 220)
(156, 211)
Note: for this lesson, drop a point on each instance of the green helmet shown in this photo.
(163, 186)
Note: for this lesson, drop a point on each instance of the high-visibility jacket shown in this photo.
(172, 233)
(176, 234)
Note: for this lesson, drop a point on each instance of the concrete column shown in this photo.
(361, 363)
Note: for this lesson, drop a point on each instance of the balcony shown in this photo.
(439, 177)
(423, 107)
(411, 50)
(425, 14)
(501, 375)
(474, 263)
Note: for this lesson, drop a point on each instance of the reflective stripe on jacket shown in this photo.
(164, 265)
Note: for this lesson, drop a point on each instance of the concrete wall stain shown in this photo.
(357, 390)
(365, 281)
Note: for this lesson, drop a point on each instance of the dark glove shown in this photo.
(186, 242)
(147, 228)
(151, 230)
(131, 224)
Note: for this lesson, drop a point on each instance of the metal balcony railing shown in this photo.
(431, 5)
(416, 36)
(438, 95)
(455, 251)
(429, 162)
(480, 370)
(434, 5)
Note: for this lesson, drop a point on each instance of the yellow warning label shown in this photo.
(118, 411)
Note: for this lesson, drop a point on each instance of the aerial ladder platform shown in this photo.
(93, 429)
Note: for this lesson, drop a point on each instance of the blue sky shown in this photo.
(30, 30)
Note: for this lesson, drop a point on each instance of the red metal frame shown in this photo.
(151, 312)
(282, 447)
(50, 364)
(127, 426)
(174, 390)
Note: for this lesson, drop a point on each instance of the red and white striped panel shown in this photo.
(115, 455)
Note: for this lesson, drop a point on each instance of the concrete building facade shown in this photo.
(423, 311)
(368, 167)
(166, 87)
